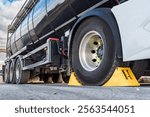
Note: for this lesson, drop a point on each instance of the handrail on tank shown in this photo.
(25, 9)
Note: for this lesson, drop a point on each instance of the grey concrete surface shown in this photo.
(64, 92)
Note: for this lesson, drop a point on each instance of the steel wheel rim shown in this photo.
(91, 51)
(17, 71)
(6, 74)
(11, 73)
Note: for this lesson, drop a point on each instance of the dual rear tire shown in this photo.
(9, 72)
(14, 73)
(55, 78)
(21, 76)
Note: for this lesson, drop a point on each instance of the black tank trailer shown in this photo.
(45, 17)
(41, 40)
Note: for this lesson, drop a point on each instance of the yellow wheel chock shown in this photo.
(73, 80)
(122, 77)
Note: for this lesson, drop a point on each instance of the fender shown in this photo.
(106, 15)
(133, 19)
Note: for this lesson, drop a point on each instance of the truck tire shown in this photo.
(11, 71)
(6, 74)
(46, 78)
(57, 78)
(21, 76)
(65, 78)
(93, 52)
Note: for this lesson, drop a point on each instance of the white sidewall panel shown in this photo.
(133, 18)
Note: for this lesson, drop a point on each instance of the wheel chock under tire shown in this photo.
(122, 77)
(73, 80)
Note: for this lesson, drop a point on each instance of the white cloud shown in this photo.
(7, 13)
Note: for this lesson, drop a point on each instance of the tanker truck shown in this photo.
(53, 38)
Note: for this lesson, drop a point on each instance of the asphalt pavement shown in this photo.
(65, 92)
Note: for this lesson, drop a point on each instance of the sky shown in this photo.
(8, 10)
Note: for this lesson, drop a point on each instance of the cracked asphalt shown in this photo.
(64, 92)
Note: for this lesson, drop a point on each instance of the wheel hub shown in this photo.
(11, 74)
(6, 74)
(100, 52)
(91, 51)
(17, 71)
